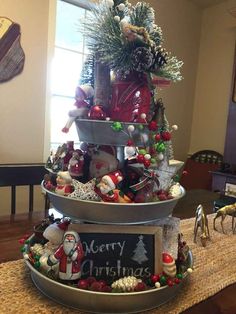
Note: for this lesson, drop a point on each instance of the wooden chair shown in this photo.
(22, 175)
(208, 157)
(199, 167)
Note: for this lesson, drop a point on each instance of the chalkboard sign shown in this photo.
(113, 252)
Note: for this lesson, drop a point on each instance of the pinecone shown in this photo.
(126, 284)
(142, 59)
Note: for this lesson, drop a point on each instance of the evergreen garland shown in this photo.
(127, 39)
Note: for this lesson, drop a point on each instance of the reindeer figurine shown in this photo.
(202, 222)
(223, 212)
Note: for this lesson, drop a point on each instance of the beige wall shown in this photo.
(180, 22)
(214, 79)
(22, 99)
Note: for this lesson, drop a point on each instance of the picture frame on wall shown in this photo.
(230, 189)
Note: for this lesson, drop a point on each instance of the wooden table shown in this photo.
(12, 228)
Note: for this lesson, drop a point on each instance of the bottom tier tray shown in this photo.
(100, 302)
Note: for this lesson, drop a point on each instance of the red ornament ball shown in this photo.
(130, 143)
(102, 283)
(166, 136)
(140, 158)
(162, 197)
(155, 278)
(97, 113)
(152, 126)
(83, 284)
(90, 280)
(140, 287)
(170, 282)
(157, 137)
(96, 286)
(147, 163)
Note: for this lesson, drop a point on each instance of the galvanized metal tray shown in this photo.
(101, 132)
(101, 302)
(112, 213)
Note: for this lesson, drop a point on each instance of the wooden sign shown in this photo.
(12, 56)
(113, 252)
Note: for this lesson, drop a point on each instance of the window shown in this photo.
(69, 55)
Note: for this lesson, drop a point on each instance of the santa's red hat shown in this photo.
(167, 259)
(113, 179)
(64, 225)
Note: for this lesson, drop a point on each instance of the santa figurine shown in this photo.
(103, 161)
(54, 234)
(106, 188)
(64, 183)
(169, 266)
(76, 164)
(82, 95)
(69, 256)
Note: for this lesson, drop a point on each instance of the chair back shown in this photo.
(13, 175)
(199, 167)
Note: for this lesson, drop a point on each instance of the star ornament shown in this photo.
(166, 171)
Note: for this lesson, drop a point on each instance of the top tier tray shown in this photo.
(112, 213)
(101, 132)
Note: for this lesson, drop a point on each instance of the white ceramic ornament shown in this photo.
(175, 190)
(131, 128)
(117, 18)
(121, 7)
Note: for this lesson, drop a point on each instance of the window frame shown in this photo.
(87, 5)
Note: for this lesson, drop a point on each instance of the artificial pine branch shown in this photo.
(142, 15)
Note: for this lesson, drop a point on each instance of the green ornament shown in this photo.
(176, 178)
(37, 257)
(37, 264)
(142, 151)
(27, 241)
(153, 160)
(163, 280)
(179, 276)
(23, 249)
(140, 127)
(117, 126)
(160, 147)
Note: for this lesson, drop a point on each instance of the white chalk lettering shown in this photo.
(93, 248)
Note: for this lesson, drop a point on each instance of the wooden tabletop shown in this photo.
(14, 227)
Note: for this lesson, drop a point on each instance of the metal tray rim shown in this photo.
(114, 204)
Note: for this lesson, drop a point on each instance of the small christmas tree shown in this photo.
(140, 252)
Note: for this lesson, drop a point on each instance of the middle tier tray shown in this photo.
(112, 213)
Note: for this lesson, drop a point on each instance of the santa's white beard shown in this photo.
(104, 189)
(68, 246)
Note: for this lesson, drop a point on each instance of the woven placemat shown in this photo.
(214, 269)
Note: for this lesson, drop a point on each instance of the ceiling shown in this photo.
(207, 3)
